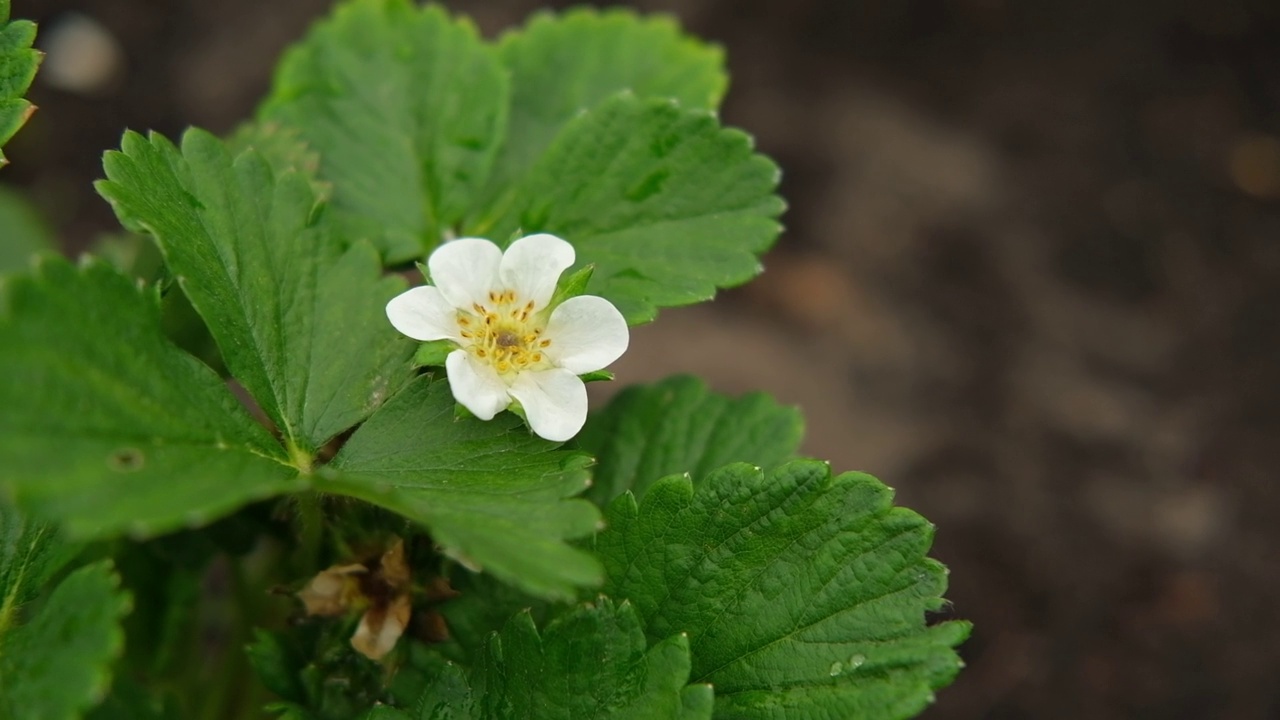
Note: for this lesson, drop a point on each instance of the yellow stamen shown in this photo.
(509, 334)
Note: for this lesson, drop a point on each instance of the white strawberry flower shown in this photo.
(512, 346)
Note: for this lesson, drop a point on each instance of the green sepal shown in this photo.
(433, 353)
(597, 376)
(460, 412)
(573, 285)
(518, 410)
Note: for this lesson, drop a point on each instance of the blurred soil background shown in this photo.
(1031, 279)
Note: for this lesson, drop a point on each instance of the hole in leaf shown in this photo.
(126, 460)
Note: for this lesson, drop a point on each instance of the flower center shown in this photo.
(506, 332)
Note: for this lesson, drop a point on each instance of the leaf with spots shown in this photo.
(18, 63)
(663, 201)
(298, 318)
(108, 427)
(804, 595)
(680, 426)
(492, 494)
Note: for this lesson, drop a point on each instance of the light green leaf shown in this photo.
(664, 202)
(30, 553)
(58, 664)
(133, 255)
(108, 427)
(590, 662)
(804, 595)
(299, 320)
(22, 233)
(18, 63)
(282, 147)
(492, 494)
(564, 64)
(406, 107)
(679, 426)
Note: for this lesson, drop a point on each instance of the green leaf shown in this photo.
(290, 711)
(18, 63)
(131, 701)
(563, 64)
(136, 256)
(299, 321)
(406, 106)
(804, 595)
(58, 664)
(680, 426)
(483, 605)
(664, 202)
(22, 233)
(108, 426)
(282, 147)
(493, 495)
(590, 662)
(30, 553)
(133, 255)
(276, 664)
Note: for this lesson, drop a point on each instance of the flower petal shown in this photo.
(422, 313)
(381, 627)
(532, 266)
(555, 401)
(465, 270)
(586, 333)
(476, 385)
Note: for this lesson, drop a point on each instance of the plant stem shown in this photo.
(310, 529)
